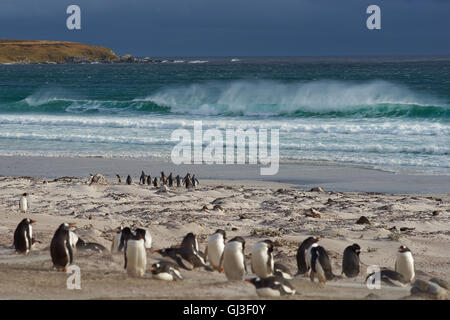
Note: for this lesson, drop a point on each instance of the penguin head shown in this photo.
(126, 231)
(255, 281)
(118, 229)
(140, 233)
(356, 248)
(269, 244)
(222, 232)
(239, 239)
(28, 221)
(155, 267)
(403, 248)
(68, 226)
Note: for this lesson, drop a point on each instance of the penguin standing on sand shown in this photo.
(155, 182)
(163, 179)
(187, 181)
(61, 249)
(129, 180)
(389, 277)
(166, 270)
(301, 254)
(135, 255)
(195, 181)
(233, 259)
(23, 236)
(190, 251)
(178, 179)
(142, 178)
(350, 260)
(405, 263)
(170, 179)
(119, 180)
(214, 249)
(272, 286)
(149, 180)
(320, 264)
(262, 259)
(23, 203)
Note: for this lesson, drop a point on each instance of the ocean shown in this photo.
(389, 114)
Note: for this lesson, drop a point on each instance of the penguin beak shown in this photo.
(73, 225)
(33, 221)
(152, 268)
(157, 251)
(248, 280)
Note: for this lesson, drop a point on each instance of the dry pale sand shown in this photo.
(254, 210)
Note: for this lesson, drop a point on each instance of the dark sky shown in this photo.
(237, 27)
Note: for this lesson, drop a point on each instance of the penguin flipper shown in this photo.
(69, 248)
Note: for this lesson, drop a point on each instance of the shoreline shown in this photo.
(339, 178)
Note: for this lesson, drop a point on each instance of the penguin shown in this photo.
(61, 249)
(170, 179)
(214, 248)
(155, 182)
(189, 250)
(147, 237)
(301, 254)
(320, 264)
(272, 286)
(125, 235)
(163, 178)
(389, 277)
(187, 181)
(149, 180)
(83, 245)
(176, 255)
(23, 203)
(73, 239)
(23, 236)
(262, 259)
(142, 178)
(280, 270)
(233, 259)
(195, 181)
(350, 260)
(404, 264)
(135, 255)
(119, 180)
(178, 179)
(116, 241)
(129, 180)
(166, 270)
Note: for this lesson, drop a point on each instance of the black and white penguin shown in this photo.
(23, 203)
(281, 270)
(23, 236)
(350, 261)
(83, 245)
(166, 270)
(195, 181)
(170, 180)
(214, 249)
(187, 181)
(147, 237)
(155, 182)
(178, 179)
(233, 259)
(190, 251)
(119, 180)
(262, 259)
(389, 277)
(125, 235)
(163, 179)
(135, 255)
(404, 264)
(302, 263)
(149, 180)
(176, 255)
(142, 178)
(272, 286)
(129, 180)
(320, 264)
(61, 249)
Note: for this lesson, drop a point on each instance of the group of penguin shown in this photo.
(272, 278)
(188, 181)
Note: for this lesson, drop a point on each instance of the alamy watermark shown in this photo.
(74, 280)
(229, 146)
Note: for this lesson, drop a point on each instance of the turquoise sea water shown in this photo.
(393, 115)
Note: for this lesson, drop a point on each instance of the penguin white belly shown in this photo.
(320, 272)
(215, 250)
(116, 243)
(268, 292)
(23, 205)
(308, 257)
(233, 261)
(405, 265)
(163, 276)
(27, 244)
(73, 239)
(136, 258)
(259, 261)
(148, 240)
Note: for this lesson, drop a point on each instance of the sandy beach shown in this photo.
(253, 209)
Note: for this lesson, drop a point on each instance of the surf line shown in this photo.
(207, 147)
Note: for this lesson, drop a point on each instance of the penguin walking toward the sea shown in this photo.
(272, 286)
(149, 180)
(233, 259)
(163, 179)
(23, 236)
(129, 180)
(23, 203)
(262, 259)
(142, 178)
(61, 248)
(320, 265)
(350, 261)
(404, 264)
(302, 263)
(119, 180)
(214, 249)
(155, 182)
(195, 181)
(135, 255)
(166, 270)
(170, 179)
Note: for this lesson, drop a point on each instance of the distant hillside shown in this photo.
(37, 51)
